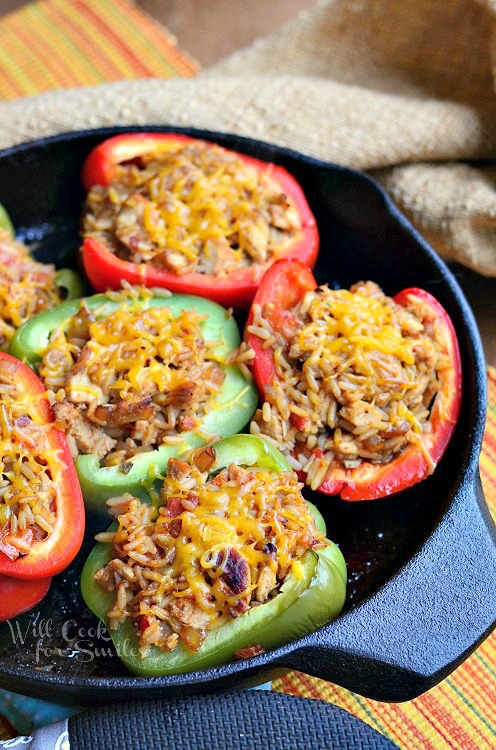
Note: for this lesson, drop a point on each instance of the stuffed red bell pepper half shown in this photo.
(360, 391)
(166, 210)
(41, 507)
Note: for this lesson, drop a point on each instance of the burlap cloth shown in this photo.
(404, 89)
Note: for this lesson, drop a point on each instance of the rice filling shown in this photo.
(212, 550)
(28, 496)
(27, 287)
(357, 375)
(132, 380)
(196, 208)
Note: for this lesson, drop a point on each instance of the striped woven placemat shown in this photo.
(460, 712)
(52, 44)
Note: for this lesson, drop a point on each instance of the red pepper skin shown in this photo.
(99, 166)
(53, 554)
(105, 271)
(369, 481)
(18, 596)
(282, 287)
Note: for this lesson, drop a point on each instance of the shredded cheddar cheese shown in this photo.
(26, 287)
(357, 376)
(211, 551)
(192, 208)
(27, 492)
(130, 380)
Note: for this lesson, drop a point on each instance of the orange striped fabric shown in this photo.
(65, 43)
(460, 712)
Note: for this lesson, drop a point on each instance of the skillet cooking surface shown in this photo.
(362, 236)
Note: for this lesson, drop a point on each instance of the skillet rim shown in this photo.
(22, 677)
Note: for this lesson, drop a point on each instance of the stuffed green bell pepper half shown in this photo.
(227, 562)
(135, 378)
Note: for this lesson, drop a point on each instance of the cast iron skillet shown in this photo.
(422, 564)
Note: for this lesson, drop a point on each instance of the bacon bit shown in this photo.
(174, 507)
(134, 242)
(398, 430)
(205, 458)
(301, 423)
(248, 651)
(174, 528)
(142, 623)
(236, 572)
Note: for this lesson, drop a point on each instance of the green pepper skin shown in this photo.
(235, 404)
(248, 450)
(302, 605)
(69, 281)
(5, 222)
(65, 278)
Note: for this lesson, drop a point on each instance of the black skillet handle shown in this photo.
(424, 621)
(240, 721)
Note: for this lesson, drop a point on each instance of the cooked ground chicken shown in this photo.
(212, 551)
(356, 378)
(130, 381)
(195, 209)
(26, 287)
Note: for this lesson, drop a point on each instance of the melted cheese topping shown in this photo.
(27, 492)
(132, 379)
(214, 549)
(352, 331)
(195, 207)
(357, 375)
(26, 287)
(139, 350)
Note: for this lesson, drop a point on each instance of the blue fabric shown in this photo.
(28, 714)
